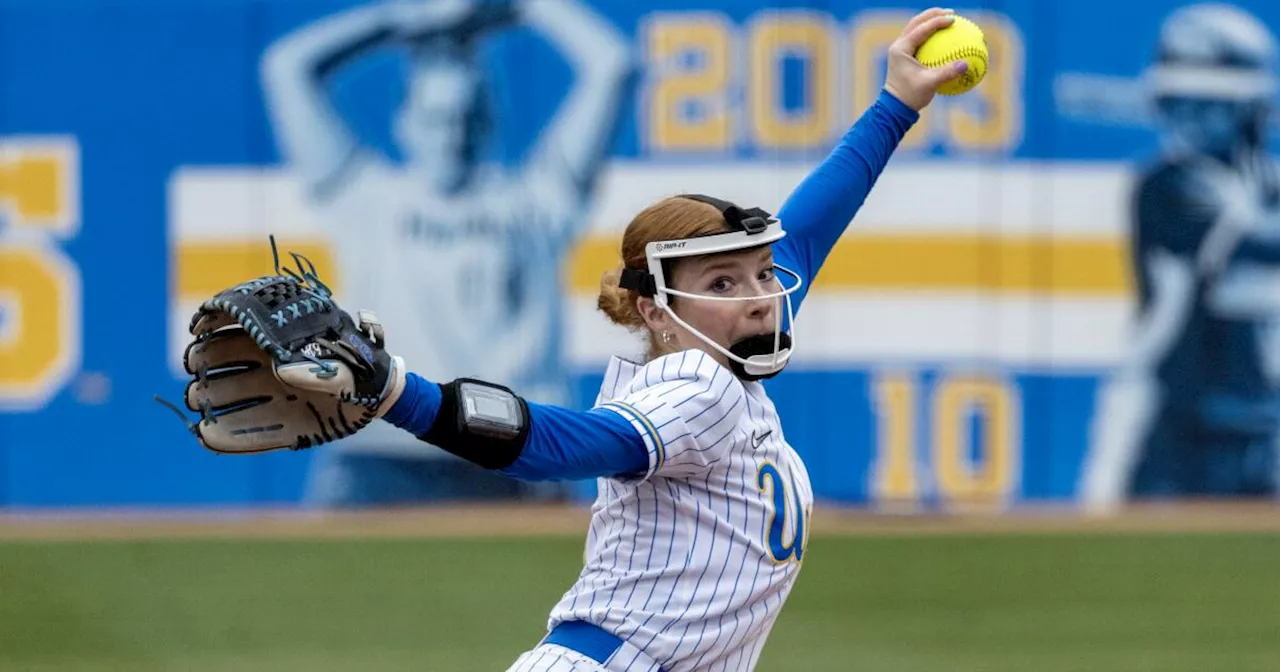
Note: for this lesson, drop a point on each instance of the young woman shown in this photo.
(700, 526)
(701, 522)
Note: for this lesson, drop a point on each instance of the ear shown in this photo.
(654, 316)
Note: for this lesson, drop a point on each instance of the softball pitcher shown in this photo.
(702, 519)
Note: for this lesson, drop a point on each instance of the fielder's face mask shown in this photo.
(752, 358)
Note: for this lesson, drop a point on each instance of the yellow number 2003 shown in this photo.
(711, 83)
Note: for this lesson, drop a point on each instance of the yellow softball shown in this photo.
(962, 39)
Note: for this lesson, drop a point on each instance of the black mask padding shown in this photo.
(751, 346)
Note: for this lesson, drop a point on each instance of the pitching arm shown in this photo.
(823, 205)
(819, 210)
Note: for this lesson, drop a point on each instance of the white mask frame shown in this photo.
(750, 229)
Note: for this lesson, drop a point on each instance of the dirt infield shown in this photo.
(489, 520)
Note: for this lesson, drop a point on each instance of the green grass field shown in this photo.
(1015, 602)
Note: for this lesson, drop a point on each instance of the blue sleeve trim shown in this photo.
(655, 439)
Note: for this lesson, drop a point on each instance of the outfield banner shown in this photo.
(1023, 311)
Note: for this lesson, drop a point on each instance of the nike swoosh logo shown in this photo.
(757, 439)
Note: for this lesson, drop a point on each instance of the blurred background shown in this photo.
(1037, 383)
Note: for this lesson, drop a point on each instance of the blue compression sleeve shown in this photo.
(415, 411)
(820, 209)
(570, 445)
(561, 445)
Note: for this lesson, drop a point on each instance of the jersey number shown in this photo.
(782, 551)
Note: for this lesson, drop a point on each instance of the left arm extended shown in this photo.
(562, 444)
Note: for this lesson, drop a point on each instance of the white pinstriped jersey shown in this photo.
(692, 561)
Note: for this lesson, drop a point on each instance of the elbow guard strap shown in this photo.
(480, 422)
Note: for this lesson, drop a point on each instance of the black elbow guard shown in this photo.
(480, 422)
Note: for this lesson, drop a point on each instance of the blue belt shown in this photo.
(590, 640)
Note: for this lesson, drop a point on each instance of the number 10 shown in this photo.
(914, 457)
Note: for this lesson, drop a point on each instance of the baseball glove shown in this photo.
(275, 364)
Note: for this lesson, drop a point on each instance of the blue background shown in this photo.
(149, 86)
